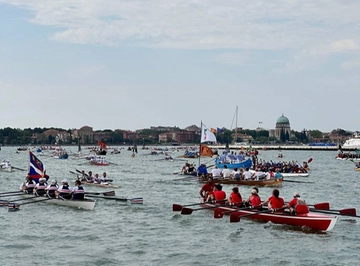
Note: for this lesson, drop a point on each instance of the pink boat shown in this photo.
(311, 220)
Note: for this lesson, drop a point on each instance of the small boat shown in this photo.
(311, 220)
(243, 164)
(295, 174)
(99, 160)
(261, 183)
(5, 165)
(104, 185)
(357, 168)
(85, 204)
(23, 148)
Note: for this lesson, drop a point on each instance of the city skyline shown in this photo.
(133, 65)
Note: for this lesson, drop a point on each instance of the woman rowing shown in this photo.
(275, 202)
(235, 197)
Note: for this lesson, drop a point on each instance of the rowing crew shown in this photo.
(89, 178)
(214, 193)
(53, 190)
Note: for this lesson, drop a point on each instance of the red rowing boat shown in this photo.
(311, 220)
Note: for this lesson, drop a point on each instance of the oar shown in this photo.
(344, 212)
(293, 181)
(133, 200)
(11, 192)
(188, 211)
(71, 172)
(319, 206)
(18, 168)
(15, 207)
(310, 160)
(235, 218)
(218, 213)
(5, 202)
(178, 207)
(109, 193)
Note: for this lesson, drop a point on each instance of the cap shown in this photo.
(64, 181)
(53, 182)
(253, 191)
(296, 195)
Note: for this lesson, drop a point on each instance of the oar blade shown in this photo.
(177, 207)
(322, 206)
(349, 212)
(310, 160)
(234, 218)
(136, 201)
(186, 211)
(218, 213)
(109, 194)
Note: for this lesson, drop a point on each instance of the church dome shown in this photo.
(282, 120)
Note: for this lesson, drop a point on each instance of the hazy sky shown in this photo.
(134, 64)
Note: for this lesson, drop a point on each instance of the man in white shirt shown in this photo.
(248, 175)
(226, 173)
(216, 172)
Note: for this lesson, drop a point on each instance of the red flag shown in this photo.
(102, 145)
(206, 151)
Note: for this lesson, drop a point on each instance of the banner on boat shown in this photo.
(36, 168)
(206, 134)
(206, 151)
(102, 145)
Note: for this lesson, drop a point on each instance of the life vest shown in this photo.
(40, 189)
(301, 207)
(79, 193)
(51, 190)
(29, 187)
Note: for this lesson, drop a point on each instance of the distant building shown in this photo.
(282, 128)
(85, 134)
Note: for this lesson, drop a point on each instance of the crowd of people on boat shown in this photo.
(281, 166)
(94, 179)
(52, 189)
(348, 155)
(213, 193)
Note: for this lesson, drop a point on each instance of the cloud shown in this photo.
(351, 65)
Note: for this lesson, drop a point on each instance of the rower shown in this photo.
(40, 187)
(275, 202)
(297, 205)
(219, 196)
(28, 185)
(78, 192)
(64, 190)
(51, 189)
(207, 188)
(254, 200)
(235, 197)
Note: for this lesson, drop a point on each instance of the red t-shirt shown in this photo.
(293, 202)
(276, 203)
(208, 187)
(255, 200)
(235, 199)
(220, 195)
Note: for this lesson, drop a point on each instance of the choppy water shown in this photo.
(117, 233)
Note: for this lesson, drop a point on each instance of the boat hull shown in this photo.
(261, 183)
(243, 164)
(86, 204)
(295, 174)
(313, 221)
(99, 185)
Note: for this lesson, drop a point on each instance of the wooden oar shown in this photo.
(11, 192)
(188, 211)
(343, 212)
(133, 200)
(293, 181)
(235, 218)
(18, 168)
(178, 207)
(109, 193)
(6, 202)
(15, 207)
(218, 213)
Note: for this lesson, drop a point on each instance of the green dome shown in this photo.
(282, 120)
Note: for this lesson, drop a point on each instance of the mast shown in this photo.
(201, 130)
(236, 126)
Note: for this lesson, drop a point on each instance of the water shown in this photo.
(118, 233)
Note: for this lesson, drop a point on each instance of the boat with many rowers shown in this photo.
(275, 182)
(85, 204)
(310, 220)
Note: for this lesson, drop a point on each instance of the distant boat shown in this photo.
(243, 164)
(353, 143)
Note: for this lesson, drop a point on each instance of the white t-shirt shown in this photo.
(226, 173)
(216, 172)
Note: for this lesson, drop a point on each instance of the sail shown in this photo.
(207, 135)
(206, 151)
(36, 168)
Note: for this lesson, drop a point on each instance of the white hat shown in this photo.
(53, 182)
(43, 179)
(296, 194)
(64, 181)
(253, 191)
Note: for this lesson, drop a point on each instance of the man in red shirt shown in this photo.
(207, 189)
(219, 196)
(297, 205)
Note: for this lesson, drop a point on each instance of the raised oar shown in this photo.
(235, 218)
(187, 211)
(109, 193)
(133, 200)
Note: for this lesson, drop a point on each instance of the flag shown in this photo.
(206, 151)
(219, 130)
(213, 130)
(206, 134)
(102, 145)
(36, 168)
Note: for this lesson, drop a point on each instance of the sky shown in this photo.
(120, 64)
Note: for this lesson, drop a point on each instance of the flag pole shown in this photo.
(201, 127)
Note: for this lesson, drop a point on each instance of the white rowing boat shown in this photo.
(104, 185)
(295, 174)
(85, 204)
